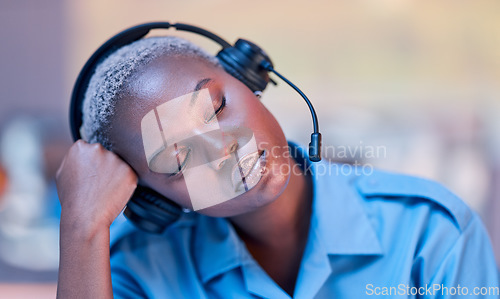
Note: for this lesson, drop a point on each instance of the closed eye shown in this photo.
(218, 110)
(182, 156)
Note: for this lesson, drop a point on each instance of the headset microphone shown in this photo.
(315, 144)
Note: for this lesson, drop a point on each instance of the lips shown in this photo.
(248, 171)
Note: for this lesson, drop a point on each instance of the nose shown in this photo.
(216, 148)
(230, 145)
(233, 139)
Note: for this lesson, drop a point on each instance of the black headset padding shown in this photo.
(150, 210)
(243, 61)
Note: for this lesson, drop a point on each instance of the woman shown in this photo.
(295, 229)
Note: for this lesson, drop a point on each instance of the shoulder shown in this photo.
(422, 222)
(419, 217)
(130, 242)
(149, 262)
(417, 194)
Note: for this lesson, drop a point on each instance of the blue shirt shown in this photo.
(371, 235)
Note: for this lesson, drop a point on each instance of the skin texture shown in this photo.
(272, 218)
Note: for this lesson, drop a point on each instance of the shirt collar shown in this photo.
(217, 247)
(338, 218)
(338, 221)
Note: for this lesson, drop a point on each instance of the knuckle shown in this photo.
(96, 146)
(79, 143)
(78, 146)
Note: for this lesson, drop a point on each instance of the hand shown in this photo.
(93, 185)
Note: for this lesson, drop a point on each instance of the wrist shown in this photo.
(81, 227)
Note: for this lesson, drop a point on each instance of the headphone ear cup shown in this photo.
(243, 61)
(238, 75)
(151, 211)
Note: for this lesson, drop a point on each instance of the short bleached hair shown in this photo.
(99, 104)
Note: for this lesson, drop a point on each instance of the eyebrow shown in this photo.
(197, 88)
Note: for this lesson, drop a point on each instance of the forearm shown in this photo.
(84, 270)
(93, 185)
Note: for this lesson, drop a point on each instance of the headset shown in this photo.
(147, 209)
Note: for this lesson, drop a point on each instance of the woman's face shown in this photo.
(200, 137)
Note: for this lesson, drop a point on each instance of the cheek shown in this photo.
(269, 137)
(278, 168)
(264, 121)
(249, 111)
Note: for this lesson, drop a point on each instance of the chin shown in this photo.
(267, 190)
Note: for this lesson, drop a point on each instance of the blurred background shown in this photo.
(418, 79)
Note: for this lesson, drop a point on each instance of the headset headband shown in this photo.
(121, 39)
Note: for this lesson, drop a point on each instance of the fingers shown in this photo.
(93, 183)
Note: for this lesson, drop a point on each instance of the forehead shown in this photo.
(158, 82)
(166, 78)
